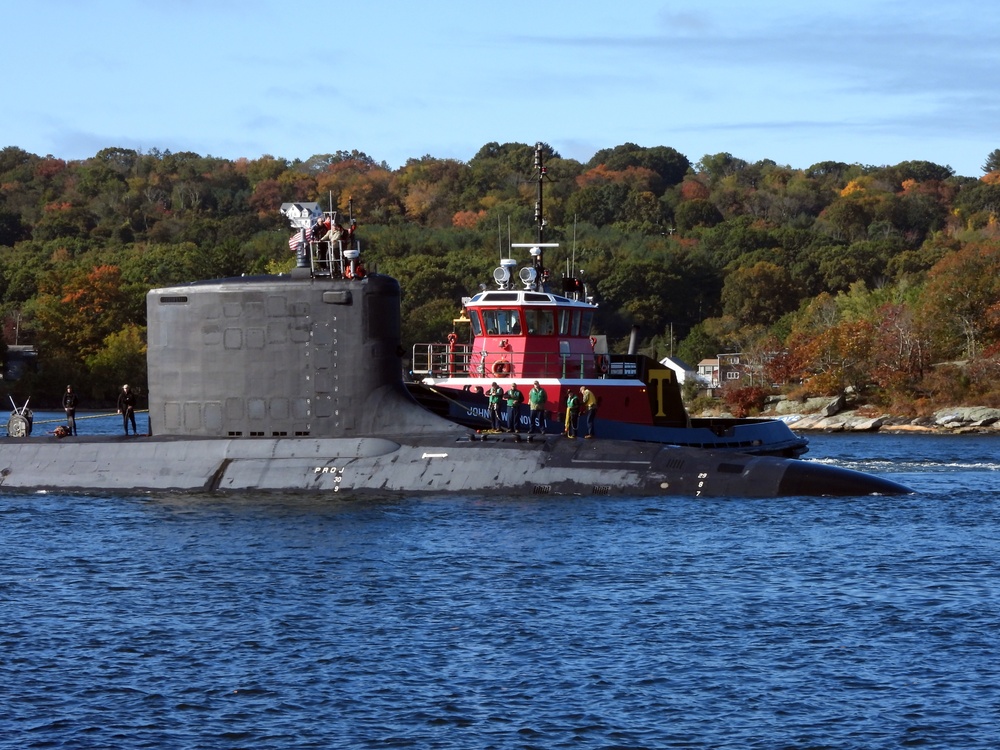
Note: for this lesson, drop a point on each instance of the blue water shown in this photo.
(179, 621)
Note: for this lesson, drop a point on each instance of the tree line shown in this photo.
(879, 279)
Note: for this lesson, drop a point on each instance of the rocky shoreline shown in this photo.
(826, 415)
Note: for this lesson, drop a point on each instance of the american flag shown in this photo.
(296, 239)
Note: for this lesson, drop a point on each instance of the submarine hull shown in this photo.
(294, 384)
(418, 465)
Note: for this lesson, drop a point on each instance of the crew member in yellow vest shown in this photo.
(589, 408)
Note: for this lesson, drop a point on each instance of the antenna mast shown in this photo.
(540, 174)
(535, 276)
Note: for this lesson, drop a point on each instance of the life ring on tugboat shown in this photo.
(357, 272)
(502, 368)
(601, 363)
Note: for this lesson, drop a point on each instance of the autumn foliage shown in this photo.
(881, 281)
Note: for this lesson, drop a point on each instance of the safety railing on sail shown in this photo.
(327, 258)
(461, 361)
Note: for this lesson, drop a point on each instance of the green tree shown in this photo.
(719, 166)
(668, 163)
(992, 163)
(696, 213)
(600, 204)
(12, 229)
(759, 294)
(645, 292)
(847, 219)
(120, 359)
(860, 261)
(699, 344)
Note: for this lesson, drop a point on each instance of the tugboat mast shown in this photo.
(536, 276)
(541, 173)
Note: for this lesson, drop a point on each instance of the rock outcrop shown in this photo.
(831, 415)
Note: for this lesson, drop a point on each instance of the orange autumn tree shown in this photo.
(364, 182)
(902, 349)
(837, 358)
(76, 311)
(961, 288)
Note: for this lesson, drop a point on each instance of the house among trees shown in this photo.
(715, 373)
(731, 368)
(708, 371)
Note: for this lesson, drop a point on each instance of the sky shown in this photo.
(795, 81)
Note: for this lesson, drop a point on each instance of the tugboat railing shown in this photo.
(462, 361)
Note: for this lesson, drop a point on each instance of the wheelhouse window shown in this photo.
(502, 322)
(539, 322)
(477, 328)
(564, 320)
(575, 322)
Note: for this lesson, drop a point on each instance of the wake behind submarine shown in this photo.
(293, 383)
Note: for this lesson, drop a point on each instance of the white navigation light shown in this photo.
(503, 274)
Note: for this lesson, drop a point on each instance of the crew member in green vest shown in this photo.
(536, 409)
(572, 414)
(514, 400)
(494, 394)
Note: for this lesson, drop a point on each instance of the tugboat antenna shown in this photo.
(573, 270)
(540, 174)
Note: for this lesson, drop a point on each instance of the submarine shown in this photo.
(294, 383)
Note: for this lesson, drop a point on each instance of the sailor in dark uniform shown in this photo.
(126, 407)
(69, 403)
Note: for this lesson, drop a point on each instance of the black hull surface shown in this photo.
(293, 384)
(758, 437)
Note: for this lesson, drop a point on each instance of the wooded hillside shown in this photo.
(835, 276)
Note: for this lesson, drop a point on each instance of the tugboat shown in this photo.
(532, 327)
(293, 383)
